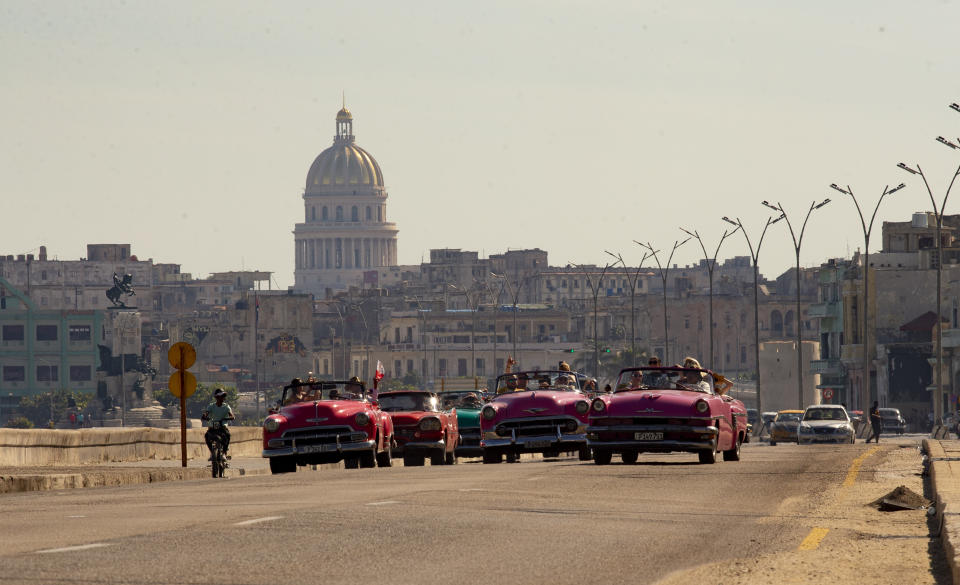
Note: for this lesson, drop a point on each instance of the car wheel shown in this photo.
(629, 457)
(512, 457)
(437, 457)
(368, 459)
(733, 454)
(773, 443)
(492, 457)
(412, 460)
(451, 458)
(385, 457)
(351, 462)
(584, 454)
(602, 456)
(282, 465)
(708, 457)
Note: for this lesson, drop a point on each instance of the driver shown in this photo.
(218, 412)
(510, 385)
(353, 388)
(563, 381)
(470, 401)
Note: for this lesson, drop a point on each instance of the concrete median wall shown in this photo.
(46, 447)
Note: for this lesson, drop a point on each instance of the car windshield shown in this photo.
(470, 399)
(314, 391)
(889, 412)
(538, 380)
(690, 379)
(400, 402)
(788, 416)
(825, 414)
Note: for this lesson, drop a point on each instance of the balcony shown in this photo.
(829, 367)
(823, 310)
(951, 338)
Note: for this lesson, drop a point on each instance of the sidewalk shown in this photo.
(943, 459)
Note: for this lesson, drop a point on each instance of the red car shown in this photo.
(541, 411)
(660, 410)
(421, 429)
(327, 422)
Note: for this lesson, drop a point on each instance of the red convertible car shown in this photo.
(541, 411)
(660, 410)
(421, 429)
(326, 422)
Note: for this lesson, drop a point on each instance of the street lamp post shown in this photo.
(633, 292)
(711, 264)
(755, 254)
(867, 229)
(515, 295)
(938, 215)
(797, 242)
(595, 289)
(664, 271)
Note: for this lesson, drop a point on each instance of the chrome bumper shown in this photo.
(337, 447)
(708, 439)
(420, 446)
(535, 442)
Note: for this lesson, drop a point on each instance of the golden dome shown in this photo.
(344, 164)
(344, 114)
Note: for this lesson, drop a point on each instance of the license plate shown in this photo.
(647, 436)
(537, 444)
(316, 448)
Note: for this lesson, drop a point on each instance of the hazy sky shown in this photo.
(187, 128)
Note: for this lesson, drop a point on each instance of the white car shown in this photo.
(825, 423)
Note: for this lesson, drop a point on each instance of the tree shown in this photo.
(52, 406)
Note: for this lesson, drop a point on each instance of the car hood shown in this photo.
(655, 403)
(411, 417)
(825, 423)
(787, 423)
(468, 417)
(537, 403)
(326, 412)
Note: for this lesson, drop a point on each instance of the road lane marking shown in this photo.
(72, 548)
(472, 490)
(385, 503)
(812, 541)
(258, 520)
(77, 516)
(855, 467)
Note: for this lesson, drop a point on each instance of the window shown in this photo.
(396, 368)
(339, 216)
(79, 333)
(47, 332)
(354, 214)
(323, 214)
(369, 213)
(442, 366)
(409, 366)
(461, 367)
(396, 335)
(409, 339)
(479, 366)
(14, 374)
(79, 373)
(313, 214)
(13, 332)
(47, 373)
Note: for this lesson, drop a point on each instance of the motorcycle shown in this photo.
(218, 455)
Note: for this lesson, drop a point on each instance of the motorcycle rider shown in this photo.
(218, 411)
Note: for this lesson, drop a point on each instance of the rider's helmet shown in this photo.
(220, 393)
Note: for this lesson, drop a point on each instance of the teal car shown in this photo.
(468, 404)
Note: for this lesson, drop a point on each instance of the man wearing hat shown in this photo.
(354, 387)
(218, 411)
(511, 385)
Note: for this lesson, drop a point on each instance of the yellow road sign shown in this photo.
(182, 355)
(189, 384)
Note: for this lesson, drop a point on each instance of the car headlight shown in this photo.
(489, 412)
(702, 406)
(271, 425)
(805, 429)
(582, 407)
(599, 405)
(430, 424)
(361, 419)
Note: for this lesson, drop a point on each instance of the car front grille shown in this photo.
(535, 427)
(319, 435)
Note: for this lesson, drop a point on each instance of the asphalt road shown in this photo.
(556, 521)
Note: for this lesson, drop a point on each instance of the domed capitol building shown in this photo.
(345, 231)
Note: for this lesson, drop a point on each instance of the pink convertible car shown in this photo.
(541, 411)
(660, 410)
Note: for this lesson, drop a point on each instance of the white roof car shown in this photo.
(825, 423)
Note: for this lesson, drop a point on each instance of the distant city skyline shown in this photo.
(187, 130)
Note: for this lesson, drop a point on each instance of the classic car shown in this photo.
(542, 411)
(327, 422)
(825, 423)
(665, 409)
(468, 404)
(421, 428)
(892, 421)
(783, 429)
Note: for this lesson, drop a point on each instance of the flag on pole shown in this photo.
(377, 376)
